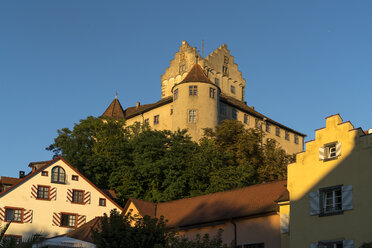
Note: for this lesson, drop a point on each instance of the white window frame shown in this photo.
(192, 115)
(330, 151)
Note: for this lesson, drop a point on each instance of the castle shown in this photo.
(198, 93)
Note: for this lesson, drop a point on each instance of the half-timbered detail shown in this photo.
(50, 200)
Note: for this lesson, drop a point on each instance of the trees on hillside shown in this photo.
(153, 165)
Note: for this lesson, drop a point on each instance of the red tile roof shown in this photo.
(115, 110)
(84, 232)
(9, 180)
(248, 201)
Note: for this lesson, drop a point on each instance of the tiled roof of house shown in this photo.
(84, 232)
(243, 202)
(9, 180)
(133, 111)
(196, 74)
(114, 110)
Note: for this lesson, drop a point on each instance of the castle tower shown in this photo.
(195, 103)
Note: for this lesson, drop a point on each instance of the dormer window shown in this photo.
(58, 175)
(330, 151)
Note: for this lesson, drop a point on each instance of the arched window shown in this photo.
(58, 175)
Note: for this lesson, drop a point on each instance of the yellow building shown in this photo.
(52, 199)
(329, 186)
(199, 93)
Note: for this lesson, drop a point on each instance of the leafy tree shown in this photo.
(366, 245)
(132, 232)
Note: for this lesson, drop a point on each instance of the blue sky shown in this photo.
(61, 61)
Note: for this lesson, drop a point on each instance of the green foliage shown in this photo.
(131, 232)
(366, 245)
(162, 165)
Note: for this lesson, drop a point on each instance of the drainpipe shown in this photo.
(235, 235)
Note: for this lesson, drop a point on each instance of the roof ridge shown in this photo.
(196, 74)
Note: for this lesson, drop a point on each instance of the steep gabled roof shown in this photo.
(253, 200)
(85, 231)
(133, 111)
(115, 110)
(196, 74)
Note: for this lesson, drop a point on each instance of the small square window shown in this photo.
(286, 135)
(193, 90)
(156, 119)
(75, 178)
(14, 214)
(234, 114)
(192, 115)
(330, 151)
(246, 119)
(232, 89)
(277, 131)
(43, 192)
(102, 202)
(44, 173)
(77, 196)
(68, 220)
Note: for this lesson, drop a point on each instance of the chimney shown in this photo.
(138, 104)
(21, 174)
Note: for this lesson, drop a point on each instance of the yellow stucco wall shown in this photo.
(309, 174)
(43, 210)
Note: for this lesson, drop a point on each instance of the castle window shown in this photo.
(182, 68)
(58, 175)
(102, 202)
(68, 220)
(77, 196)
(246, 119)
(232, 89)
(286, 135)
(156, 119)
(234, 114)
(277, 131)
(225, 70)
(192, 115)
(296, 139)
(193, 90)
(43, 192)
(268, 127)
(14, 214)
(175, 94)
(212, 93)
(217, 81)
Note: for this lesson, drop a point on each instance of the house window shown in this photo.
(268, 127)
(193, 90)
(232, 89)
(217, 81)
(192, 115)
(43, 192)
(58, 175)
(175, 94)
(13, 214)
(331, 200)
(257, 123)
(75, 178)
(212, 93)
(234, 114)
(102, 202)
(68, 220)
(17, 239)
(246, 119)
(277, 131)
(182, 68)
(330, 151)
(147, 120)
(223, 109)
(77, 196)
(286, 135)
(296, 139)
(44, 173)
(156, 119)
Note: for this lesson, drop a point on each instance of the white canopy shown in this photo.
(64, 242)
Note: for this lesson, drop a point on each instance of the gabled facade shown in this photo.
(329, 186)
(249, 215)
(53, 199)
(198, 93)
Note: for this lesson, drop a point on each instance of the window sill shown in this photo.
(330, 159)
(42, 199)
(68, 226)
(59, 182)
(331, 213)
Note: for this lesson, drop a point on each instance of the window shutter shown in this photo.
(322, 153)
(338, 149)
(81, 220)
(314, 203)
(347, 197)
(348, 244)
(34, 191)
(314, 245)
(87, 197)
(2, 214)
(28, 216)
(56, 219)
(284, 223)
(69, 195)
(53, 193)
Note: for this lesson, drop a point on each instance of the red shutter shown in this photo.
(69, 195)
(56, 219)
(87, 197)
(27, 216)
(53, 193)
(2, 214)
(81, 220)
(34, 191)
